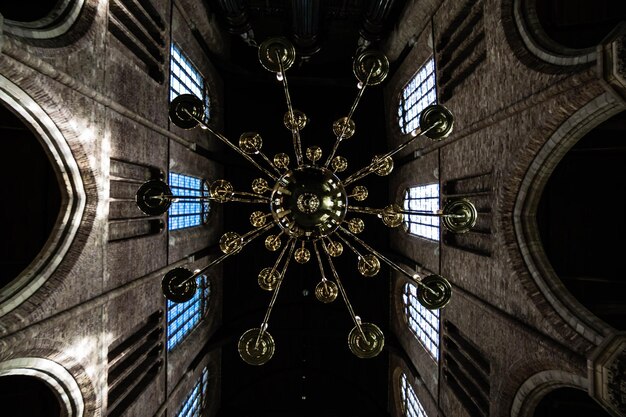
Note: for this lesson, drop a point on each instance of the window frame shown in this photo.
(177, 331)
(194, 75)
(405, 125)
(189, 219)
(195, 403)
(432, 223)
(428, 338)
(407, 388)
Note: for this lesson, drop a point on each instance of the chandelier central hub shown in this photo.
(309, 202)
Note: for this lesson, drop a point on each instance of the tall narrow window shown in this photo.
(183, 317)
(187, 213)
(416, 95)
(186, 79)
(424, 323)
(195, 402)
(422, 198)
(411, 407)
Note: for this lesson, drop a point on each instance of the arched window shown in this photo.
(17, 392)
(570, 402)
(424, 323)
(422, 198)
(186, 79)
(586, 256)
(195, 402)
(417, 94)
(183, 317)
(33, 212)
(187, 213)
(411, 407)
(577, 24)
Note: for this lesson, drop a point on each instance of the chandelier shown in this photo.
(308, 205)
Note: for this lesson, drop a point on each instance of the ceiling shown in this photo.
(312, 373)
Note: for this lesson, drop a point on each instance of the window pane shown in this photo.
(416, 95)
(410, 404)
(183, 317)
(186, 79)
(194, 403)
(423, 198)
(424, 323)
(187, 213)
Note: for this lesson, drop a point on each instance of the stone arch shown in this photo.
(527, 41)
(66, 22)
(538, 385)
(540, 44)
(525, 229)
(73, 197)
(56, 377)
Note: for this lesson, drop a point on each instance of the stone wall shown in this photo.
(112, 112)
(507, 107)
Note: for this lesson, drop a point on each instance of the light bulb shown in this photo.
(279, 76)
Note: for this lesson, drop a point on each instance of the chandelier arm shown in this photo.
(330, 242)
(414, 277)
(352, 248)
(259, 198)
(431, 214)
(247, 238)
(350, 113)
(295, 133)
(357, 322)
(280, 257)
(254, 233)
(275, 293)
(371, 167)
(319, 260)
(248, 201)
(199, 272)
(365, 210)
(229, 143)
(269, 162)
(249, 194)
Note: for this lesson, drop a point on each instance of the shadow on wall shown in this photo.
(582, 220)
(27, 396)
(32, 197)
(570, 402)
(578, 24)
(36, 10)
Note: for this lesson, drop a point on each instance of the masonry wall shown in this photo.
(507, 104)
(106, 292)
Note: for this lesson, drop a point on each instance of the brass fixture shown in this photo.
(309, 206)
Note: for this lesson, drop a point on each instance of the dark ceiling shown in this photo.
(312, 373)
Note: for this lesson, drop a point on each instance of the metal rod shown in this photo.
(275, 293)
(319, 260)
(365, 210)
(370, 168)
(295, 133)
(251, 201)
(356, 252)
(431, 214)
(247, 238)
(270, 162)
(230, 144)
(357, 323)
(370, 264)
(350, 113)
(413, 277)
(179, 197)
(259, 198)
